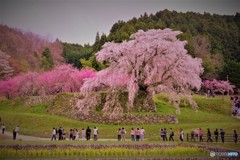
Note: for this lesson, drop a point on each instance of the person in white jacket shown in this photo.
(54, 134)
(181, 134)
(95, 134)
(142, 133)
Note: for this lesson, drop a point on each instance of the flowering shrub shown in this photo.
(63, 78)
(218, 86)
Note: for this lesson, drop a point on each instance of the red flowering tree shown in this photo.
(19, 85)
(64, 78)
(150, 61)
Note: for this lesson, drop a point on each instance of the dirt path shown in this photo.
(25, 138)
(32, 138)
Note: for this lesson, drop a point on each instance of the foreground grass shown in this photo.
(112, 152)
(6, 141)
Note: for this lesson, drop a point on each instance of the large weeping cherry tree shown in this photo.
(154, 61)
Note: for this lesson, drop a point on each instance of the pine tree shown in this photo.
(47, 60)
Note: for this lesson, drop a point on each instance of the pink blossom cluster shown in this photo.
(105, 80)
(63, 78)
(218, 86)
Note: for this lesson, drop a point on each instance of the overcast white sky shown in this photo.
(78, 21)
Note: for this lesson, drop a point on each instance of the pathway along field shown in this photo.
(23, 141)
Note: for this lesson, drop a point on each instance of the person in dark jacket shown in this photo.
(88, 133)
(60, 133)
(171, 134)
(222, 134)
(209, 135)
(216, 135)
(235, 136)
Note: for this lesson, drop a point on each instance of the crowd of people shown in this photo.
(74, 134)
(198, 134)
(139, 134)
(163, 134)
(235, 106)
(135, 134)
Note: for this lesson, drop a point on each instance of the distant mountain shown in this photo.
(22, 51)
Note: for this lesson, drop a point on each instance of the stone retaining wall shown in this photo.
(129, 119)
(38, 100)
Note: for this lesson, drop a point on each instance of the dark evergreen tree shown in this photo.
(47, 60)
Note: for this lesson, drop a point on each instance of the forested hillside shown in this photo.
(24, 51)
(214, 38)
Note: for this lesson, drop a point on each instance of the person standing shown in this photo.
(3, 128)
(235, 136)
(209, 135)
(193, 135)
(171, 134)
(132, 134)
(83, 134)
(142, 133)
(138, 134)
(165, 134)
(53, 134)
(119, 134)
(77, 134)
(15, 132)
(216, 135)
(123, 134)
(60, 133)
(63, 134)
(181, 135)
(71, 134)
(74, 133)
(88, 133)
(162, 134)
(200, 133)
(222, 134)
(95, 134)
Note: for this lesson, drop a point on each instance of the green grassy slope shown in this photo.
(34, 120)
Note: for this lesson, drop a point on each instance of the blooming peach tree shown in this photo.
(63, 78)
(218, 86)
(152, 61)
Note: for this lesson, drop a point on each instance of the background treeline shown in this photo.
(214, 38)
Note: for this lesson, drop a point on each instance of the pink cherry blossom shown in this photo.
(218, 86)
(150, 60)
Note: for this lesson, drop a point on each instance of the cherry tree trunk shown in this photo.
(114, 104)
(144, 102)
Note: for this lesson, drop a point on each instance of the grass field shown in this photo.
(111, 152)
(34, 120)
